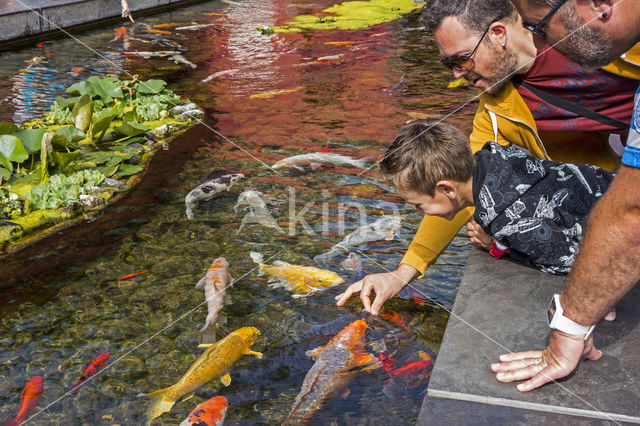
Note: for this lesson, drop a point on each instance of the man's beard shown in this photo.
(506, 65)
(589, 47)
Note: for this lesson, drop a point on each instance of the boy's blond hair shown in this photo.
(426, 152)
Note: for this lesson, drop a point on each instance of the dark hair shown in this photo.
(477, 15)
(426, 152)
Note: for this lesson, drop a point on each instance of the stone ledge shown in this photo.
(501, 307)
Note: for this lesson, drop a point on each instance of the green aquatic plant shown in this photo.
(350, 15)
(60, 189)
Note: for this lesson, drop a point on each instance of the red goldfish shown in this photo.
(335, 366)
(135, 274)
(28, 401)
(96, 365)
(417, 371)
(120, 32)
(394, 317)
(212, 412)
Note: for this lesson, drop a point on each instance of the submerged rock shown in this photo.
(180, 109)
(194, 114)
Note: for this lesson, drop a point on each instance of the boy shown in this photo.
(536, 209)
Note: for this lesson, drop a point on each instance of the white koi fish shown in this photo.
(209, 190)
(352, 263)
(215, 284)
(318, 158)
(382, 229)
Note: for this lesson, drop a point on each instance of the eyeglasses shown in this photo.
(464, 62)
(537, 29)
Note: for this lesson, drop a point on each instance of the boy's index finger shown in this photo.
(350, 291)
(365, 292)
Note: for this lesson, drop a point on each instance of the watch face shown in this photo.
(552, 309)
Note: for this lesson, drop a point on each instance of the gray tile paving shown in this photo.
(500, 307)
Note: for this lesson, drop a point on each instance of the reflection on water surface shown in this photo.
(270, 96)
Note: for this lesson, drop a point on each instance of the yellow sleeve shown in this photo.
(433, 236)
(483, 130)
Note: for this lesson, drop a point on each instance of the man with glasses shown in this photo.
(608, 264)
(484, 41)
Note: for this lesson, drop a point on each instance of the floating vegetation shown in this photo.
(350, 15)
(87, 149)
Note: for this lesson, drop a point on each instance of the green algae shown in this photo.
(350, 15)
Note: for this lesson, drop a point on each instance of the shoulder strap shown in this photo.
(574, 108)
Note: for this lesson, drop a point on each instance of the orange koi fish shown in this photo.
(170, 25)
(335, 366)
(159, 32)
(212, 412)
(77, 70)
(28, 401)
(120, 32)
(325, 149)
(214, 14)
(271, 94)
(92, 369)
(135, 274)
(341, 43)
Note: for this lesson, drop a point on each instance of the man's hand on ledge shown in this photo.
(558, 360)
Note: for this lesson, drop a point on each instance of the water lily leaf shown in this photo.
(131, 128)
(63, 159)
(12, 149)
(80, 88)
(66, 102)
(4, 173)
(67, 136)
(130, 116)
(127, 170)
(82, 112)
(31, 139)
(7, 128)
(150, 86)
(106, 88)
(45, 156)
(101, 123)
(101, 157)
(4, 161)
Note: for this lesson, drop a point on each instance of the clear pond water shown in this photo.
(266, 97)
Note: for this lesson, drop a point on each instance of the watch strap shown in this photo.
(566, 325)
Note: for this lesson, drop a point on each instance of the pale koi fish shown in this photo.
(382, 229)
(352, 263)
(299, 279)
(209, 189)
(215, 284)
(214, 363)
(318, 158)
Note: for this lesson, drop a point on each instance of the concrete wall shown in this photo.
(20, 21)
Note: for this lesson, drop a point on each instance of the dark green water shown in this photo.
(67, 307)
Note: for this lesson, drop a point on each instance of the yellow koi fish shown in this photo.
(271, 94)
(458, 82)
(299, 279)
(213, 363)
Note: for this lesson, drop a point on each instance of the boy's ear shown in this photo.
(449, 188)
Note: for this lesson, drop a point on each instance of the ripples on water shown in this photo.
(69, 307)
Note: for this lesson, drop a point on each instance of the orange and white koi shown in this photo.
(352, 263)
(120, 32)
(92, 369)
(299, 279)
(28, 401)
(214, 363)
(335, 366)
(212, 412)
(215, 284)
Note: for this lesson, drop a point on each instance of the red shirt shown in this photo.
(598, 90)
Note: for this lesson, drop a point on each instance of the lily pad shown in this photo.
(7, 128)
(31, 139)
(67, 136)
(106, 88)
(63, 159)
(127, 170)
(66, 102)
(12, 149)
(131, 128)
(101, 123)
(150, 86)
(82, 112)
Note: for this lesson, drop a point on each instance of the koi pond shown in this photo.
(124, 281)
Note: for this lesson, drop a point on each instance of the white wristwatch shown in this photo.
(559, 322)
